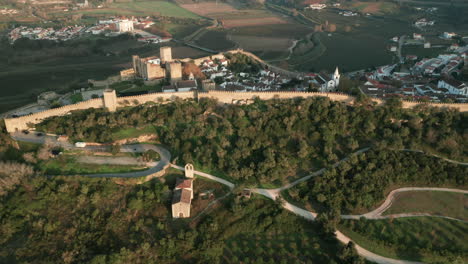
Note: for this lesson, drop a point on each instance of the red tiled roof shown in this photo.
(183, 183)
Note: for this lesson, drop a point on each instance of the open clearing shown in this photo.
(437, 203)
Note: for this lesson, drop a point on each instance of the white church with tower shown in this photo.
(327, 82)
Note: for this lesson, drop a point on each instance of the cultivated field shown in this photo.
(209, 9)
(374, 7)
(437, 203)
(155, 8)
(261, 43)
(230, 17)
(215, 40)
(233, 23)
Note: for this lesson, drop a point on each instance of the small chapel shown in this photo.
(183, 194)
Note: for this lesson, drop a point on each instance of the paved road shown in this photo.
(136, 148)
(377, 213)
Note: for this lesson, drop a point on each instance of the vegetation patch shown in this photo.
(432, 202)
(426, 239)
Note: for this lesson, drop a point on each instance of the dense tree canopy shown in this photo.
(271, 141)
(361, 182)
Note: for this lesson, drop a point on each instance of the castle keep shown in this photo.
(155, 68)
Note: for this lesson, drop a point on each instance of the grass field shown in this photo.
(430, 240)
(438, 203)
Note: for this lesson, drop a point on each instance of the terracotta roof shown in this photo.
(182, 196)
(183, 183)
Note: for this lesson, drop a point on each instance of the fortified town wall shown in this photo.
(112, 102)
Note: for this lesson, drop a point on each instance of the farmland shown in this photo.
(215, 40)
(156, 8)
(437, 203)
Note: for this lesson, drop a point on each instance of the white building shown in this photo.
(125, 26)
(317, 6)
(448, 35)
(453, 86)
(326, 82)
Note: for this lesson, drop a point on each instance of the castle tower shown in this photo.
(189, 170)
(336, 77)
(175, 71)
(166, 54)
(208, 85)
(110, 100)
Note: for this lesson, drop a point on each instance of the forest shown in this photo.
(274, 141)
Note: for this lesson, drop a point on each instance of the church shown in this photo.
(327, 82)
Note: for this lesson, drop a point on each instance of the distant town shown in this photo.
(108, 27)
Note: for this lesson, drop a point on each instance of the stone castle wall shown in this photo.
(20, 123)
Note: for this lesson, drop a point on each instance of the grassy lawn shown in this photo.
(67, 165)
(133, 132)
(430, 240)
(438, 203)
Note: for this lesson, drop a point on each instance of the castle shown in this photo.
(155, 68)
